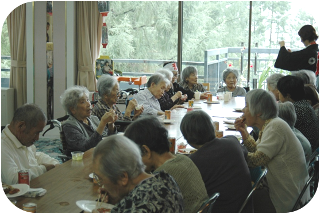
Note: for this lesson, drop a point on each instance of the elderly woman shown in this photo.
(288, 114)
(108, 89)
(152, 139)
(230, 78)
(227, 172)
(168, 102)
(272, 81)
(156, 86)
(291, 89)
(117, 166)
(83, 130)
(190, 80)
(274, 149)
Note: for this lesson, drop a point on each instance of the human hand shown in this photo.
(48, 166)
(184, 97)
(109, 116)
(103, 194)
(177, 95)
(137, 113)
(282, 43)
(132, 105)
(204, 95)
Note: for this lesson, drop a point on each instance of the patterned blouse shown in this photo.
(196, 87)
(239, 91)
(166, 102)
(100, 108)
(158, 194)
(307, 122)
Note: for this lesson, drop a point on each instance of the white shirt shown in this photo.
(15, 157)
(150, 103)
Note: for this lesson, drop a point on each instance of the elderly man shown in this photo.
(17, 149)
(272, 81)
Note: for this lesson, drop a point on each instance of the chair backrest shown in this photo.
(299, 203)
(208, 204)
(206, 85)
(254, 187)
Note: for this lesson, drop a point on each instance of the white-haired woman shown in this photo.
(272, 81)
(230, 78)
(288, 114)
(108, 88)
(274, 149)
(83, 130)
(156, 86)
(118, 167)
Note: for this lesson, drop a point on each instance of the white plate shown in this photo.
(88, 206)
(212, 102)
(24, 188)
(238, 109)
(194, 107)
(168, 121)
(229, 122)
(230, 127)
(231, 118)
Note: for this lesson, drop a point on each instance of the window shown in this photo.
(5, 56)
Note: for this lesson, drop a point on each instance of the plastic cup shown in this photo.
(77, 155)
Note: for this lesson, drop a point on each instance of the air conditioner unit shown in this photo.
(7, 105)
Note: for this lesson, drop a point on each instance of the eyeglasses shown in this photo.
(95, 176)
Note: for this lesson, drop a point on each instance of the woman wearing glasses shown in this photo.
(230, 78)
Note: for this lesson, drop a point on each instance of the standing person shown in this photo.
(221, 162)
(18, 151)
(230, 78)
(303, 59)
(272, 81)
(277, 149)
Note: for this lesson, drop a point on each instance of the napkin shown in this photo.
(35, 192)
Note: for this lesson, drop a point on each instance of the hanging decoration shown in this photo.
(103, 7)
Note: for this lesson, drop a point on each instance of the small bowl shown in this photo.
(77, 155)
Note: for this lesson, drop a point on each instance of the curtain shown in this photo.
(89, 32)
(16, 22)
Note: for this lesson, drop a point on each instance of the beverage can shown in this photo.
(30, 207)
(172, 141)
(23, 177)
(190, 103)
(189, 109)
(167, 115)
(209, 98)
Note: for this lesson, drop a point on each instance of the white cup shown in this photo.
(226, 97)
(197, 95)
(230, 94)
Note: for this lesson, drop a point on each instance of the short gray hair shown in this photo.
(105, 84)
(229, 71)
(188, 71)
(273, 79)
(166, 72)
(71, 96)
(156, 79)
(197, 127)
(118, 154)
(31, 114)
(262, 102)
(309, 77)
(288, 113)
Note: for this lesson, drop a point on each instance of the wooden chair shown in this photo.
(208, 204)
(206, 86)
(256, 184)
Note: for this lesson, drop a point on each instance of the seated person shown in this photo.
(230, 78)
(189, 80)
(108, 88)
(277, 149)
(288, 114)
(148, 97)
(272, 81)
(312, 96)
(82, 130)
(17, 149)
(291, 89)
(175, 87)
(118, 167)
(221, 162)
(152, 139)
(168, 102)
